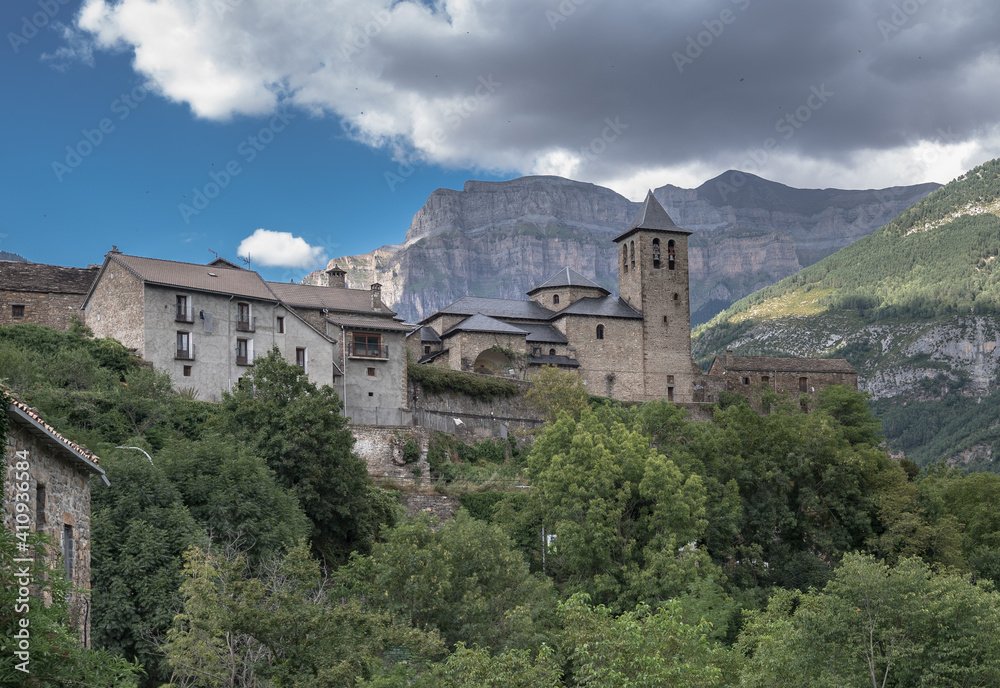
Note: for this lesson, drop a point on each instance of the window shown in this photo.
(670, 254)
(555, 299)
(17, 311)
(664, 320)
(185, 351)
(39, 505)
(427, 348)
(803, 384)
(371, 373)
(184, 313)
(624, 258)
(244, 320)
(552, 352)
(187, 371)
(670, 379)
(670, 393)
(68, 550)
(300, 358)
(676, 296)
(369, 345)
(600, 331)
(281, 324)
(631, 249)
(656, 254)
(746, 380)
(244, 351)
(765, 378)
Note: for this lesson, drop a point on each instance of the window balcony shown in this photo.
(246, 325)
(184, 317)
(242, 360)
(184, 355)
(361, 350)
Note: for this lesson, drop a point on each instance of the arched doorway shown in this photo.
(492, 362)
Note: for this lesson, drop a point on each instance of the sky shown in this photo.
(295, 131)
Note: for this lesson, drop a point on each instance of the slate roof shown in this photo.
(567, 277)
(604, 307)
(20, 412)
(554, 360)
(483, 323)
(427, 358)
(786, 364)
(193, 276)
(427, 334)
(47, 279)
(543, 333)
(331, 298)
(495, 308)
(370, 323)
(652, 216)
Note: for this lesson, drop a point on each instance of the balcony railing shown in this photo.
(185, 355)
(242, 360)
(184, 317)
(247, 325)
(368, 350)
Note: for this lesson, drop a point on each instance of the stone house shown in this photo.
(205, 324)
(52, 473)
(748, 375)
(635, 346)
(43, 294)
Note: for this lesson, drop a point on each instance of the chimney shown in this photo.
(376, 296)
(729, 358)
(336, 278)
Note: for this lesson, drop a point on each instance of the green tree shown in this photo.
(554, 390)
(463, 578)
(879, 626)
(296, 427)
(140, 528)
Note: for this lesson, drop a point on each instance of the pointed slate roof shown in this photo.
(652, 216)
(483, 323)
(567, 277)
(498, 308)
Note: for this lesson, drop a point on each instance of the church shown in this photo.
(633, 346)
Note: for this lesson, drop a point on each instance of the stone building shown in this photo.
(53, 473)
(43, 294)
(635, 346)
(205, 324)
(748, 375)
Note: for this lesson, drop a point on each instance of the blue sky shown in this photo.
(320, 127)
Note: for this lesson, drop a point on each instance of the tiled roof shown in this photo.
(194, 276)
(483, 323)
(386, 324)
(48, 279)
(567, 278)
(331, 298)
(652, 216)
(605, 307)
(565, 361)
(496, 308)
(543, 333)
(786, 364)
(19, 411)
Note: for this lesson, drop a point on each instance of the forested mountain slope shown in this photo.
(915, 307)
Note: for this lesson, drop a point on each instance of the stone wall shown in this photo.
(750, 383)
(442, 506)
(54, 310)
(115, 308)
(66, 494)
(381, 447)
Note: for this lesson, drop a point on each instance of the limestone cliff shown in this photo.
(502, 238)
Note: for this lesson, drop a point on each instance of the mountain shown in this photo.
(915, 307)
(502, 238)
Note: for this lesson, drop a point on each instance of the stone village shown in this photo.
(204, 324)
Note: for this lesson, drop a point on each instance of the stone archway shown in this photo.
(492, 362)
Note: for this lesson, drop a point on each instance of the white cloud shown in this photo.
(280, 249)
(499, 86)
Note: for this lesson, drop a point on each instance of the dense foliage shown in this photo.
(757, 549)
(436, 380)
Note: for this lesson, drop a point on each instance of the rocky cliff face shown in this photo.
(502, 238)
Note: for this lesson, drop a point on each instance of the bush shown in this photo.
(439, 380)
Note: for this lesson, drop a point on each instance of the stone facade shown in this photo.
(52, 474)
(748, 376)
(42, 294)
